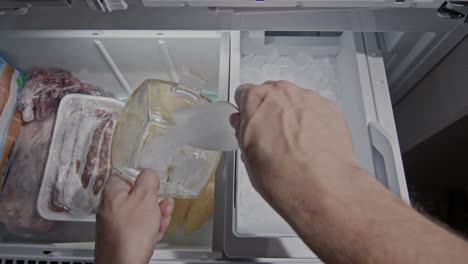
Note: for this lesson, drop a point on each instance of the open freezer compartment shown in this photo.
(346, 68)
(293, 3)
(118, 61)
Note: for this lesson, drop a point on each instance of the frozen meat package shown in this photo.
(44, 88)
(18, 202)
(38, 99)
(78, 164)
(10, 120)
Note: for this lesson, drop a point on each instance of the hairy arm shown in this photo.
(359, 221)
(300, 158)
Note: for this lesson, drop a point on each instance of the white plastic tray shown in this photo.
(87, 105)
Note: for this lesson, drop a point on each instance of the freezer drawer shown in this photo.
(119, 60)
(292, 3)
(116, 61)
(252, 229)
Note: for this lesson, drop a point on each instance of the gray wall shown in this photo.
(438, 100)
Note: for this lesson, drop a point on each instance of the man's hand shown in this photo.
(299, 156)
(130, 221)
(283, 130)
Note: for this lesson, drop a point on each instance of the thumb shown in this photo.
(147, 183)
(234, 119)
(167, 207)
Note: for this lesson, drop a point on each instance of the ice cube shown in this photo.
(273, 58)
(287, 73)
(286, 61)
(304, 78)
(251, 75)
(314, 73)
(258, 61)
(181, 168)
(271, 72)
(302, 59)
(247, 60)
(316, 70)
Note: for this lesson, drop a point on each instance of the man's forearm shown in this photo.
(354, 219)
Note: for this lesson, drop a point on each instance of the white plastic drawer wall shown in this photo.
(367, 107)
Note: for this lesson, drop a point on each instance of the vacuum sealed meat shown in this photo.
(18, 201)
(44, 89)
(79, 160)
(75, 186)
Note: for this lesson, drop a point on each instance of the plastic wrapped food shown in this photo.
(10, 121)
(18, 202)
(44, 89)
(12, 132)
(79, 157)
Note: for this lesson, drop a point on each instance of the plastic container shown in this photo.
(78, 163)
(140, 140)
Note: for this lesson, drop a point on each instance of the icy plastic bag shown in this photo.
(18, 202)
(10, 120)
(44, 89)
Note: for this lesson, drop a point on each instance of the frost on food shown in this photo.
(82, 165)
(44, 89)
(18, 202)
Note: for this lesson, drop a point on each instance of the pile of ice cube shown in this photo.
(254, 215)
(314, 73)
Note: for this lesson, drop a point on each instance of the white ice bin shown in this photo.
(253, 228)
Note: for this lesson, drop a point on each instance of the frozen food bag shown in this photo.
(79, 158)
(18, 201)
(10, 120)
